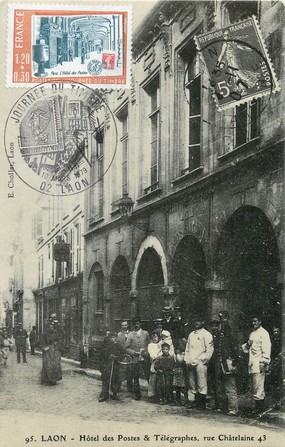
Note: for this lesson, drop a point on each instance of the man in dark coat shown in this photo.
(168, 320)
(33, 339)
(226, 359)
(275, 380)
(110, 354)
(178, 335)
(20, 342)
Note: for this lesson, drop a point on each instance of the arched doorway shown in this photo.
(248, 261)
(189, 272)
(120, 289)
(150, 282)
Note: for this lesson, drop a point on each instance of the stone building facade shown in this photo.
(206, 230)
(58, 284)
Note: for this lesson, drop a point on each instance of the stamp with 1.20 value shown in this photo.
(238, 63)
(48, 43)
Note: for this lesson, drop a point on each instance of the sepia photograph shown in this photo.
(142, 232)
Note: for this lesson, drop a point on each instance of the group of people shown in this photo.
(185, 370)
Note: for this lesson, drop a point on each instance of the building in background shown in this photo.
(190, 212)
(58, 228)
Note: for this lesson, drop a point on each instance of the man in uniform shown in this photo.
(20, 342)
(259, 349)
(199, 350)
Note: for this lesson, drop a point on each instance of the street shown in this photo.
(70, 413)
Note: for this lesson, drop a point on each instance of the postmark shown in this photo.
(54, 136)
(238, 64)
(50, 43)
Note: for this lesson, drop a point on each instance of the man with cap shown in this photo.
(136, 346)
(168, 320)
(178, 335)
(259, 349)
(226, 359)
(122, 338)
(110, 354)
(158, 326)
(199, 350)
(21, 336)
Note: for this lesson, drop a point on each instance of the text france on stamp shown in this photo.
(48, 43)
(238, 63)
(54, 138)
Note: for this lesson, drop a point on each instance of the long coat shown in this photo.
(21, 338)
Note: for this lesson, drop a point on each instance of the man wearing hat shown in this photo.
(199, 350)
(226, 359)
(136, 346)
(110, 354)
(259, 349)
(20, 342)
(158, 326)
(168, 320)
(178, 335)
(122, 338)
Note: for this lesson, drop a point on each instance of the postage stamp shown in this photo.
(47, 43)
(54, 138)
(238, 63)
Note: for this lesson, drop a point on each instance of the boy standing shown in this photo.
(164, 365)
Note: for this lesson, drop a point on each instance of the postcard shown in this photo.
(142, 230)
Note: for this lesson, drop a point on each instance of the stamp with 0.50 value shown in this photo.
(48, 43)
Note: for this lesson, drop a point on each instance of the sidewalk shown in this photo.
(271, 416)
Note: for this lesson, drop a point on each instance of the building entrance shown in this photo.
(248, 263)
(189, 272)
(150, 282)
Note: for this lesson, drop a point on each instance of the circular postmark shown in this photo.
(94, 67)
(54, 135)
(237, 86)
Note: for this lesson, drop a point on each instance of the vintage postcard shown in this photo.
(142, 231)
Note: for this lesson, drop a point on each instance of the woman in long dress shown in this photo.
(51, 343)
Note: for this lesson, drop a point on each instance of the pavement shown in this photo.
(31, 412)
(271, 414)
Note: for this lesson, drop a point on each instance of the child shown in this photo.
(180, 377)
(154, 350)
(164, 366)
(166, 338)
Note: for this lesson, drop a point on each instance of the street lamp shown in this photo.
(126, 205)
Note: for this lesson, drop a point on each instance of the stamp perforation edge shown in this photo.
(246, 99)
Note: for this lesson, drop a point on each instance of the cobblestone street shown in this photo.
(73, 406)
